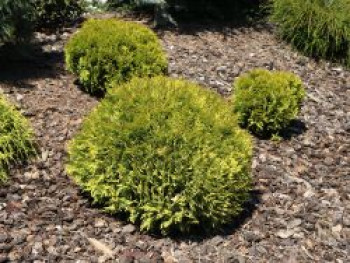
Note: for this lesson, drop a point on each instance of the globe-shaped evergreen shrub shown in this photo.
(266, 102)
(165, 152)
(319, 28)
(16, 138)
(113, 51)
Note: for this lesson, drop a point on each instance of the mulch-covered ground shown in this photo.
(300, 211)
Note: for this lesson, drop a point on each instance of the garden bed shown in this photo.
(301, 206)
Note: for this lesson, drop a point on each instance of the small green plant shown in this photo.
(266, 102)
(165, 152)
(16, 138)
(113, 51)
(319, 28)
(55, 13)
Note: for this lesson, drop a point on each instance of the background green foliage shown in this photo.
(216, 9)
(198, 9)
(54, 13)
(167, 153)
(319, 28)
(266, 102)
(16, 138)
(113, 51)
(19, 17)
(15, 20)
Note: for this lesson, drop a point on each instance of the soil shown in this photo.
(300, 210)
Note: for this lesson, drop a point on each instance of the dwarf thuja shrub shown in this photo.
(113, 51)
(266, 102)
(16, 138)
(165, 152)
(319, 28)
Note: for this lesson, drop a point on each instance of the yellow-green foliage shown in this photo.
(113, 51)
(167, 153)
(266, 102)
(319, 28)
(16, 138)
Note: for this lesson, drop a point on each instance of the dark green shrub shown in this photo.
(223, 9)
(238, 10)
(266, 102)
(16, 138)
(113, 51)
(319, 28)
(167, 153)
(15, 20)
(54, 13)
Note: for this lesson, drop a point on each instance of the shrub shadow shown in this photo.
(34, 60)
(200, 234)
(22, 63)
(240, 14)
(98, 94)
(295, 128)
(244, 13)
(227, 29)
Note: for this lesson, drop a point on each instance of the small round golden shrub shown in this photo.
(167, 153)
(266, 102)
(16, 138)
(113, 51)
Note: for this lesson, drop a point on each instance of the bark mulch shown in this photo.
(300, 211)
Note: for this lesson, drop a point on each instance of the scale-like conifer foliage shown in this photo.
(167, 153)
(266, 102)
(113, 51)
(16, 138)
